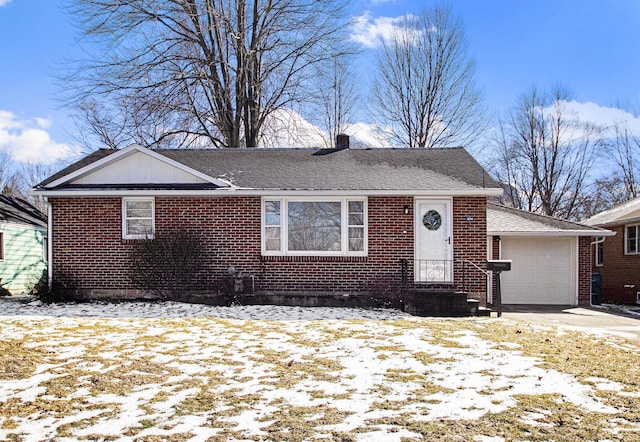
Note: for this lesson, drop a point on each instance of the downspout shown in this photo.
(49, 242)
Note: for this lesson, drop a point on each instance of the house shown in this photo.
(616, 260)
(551, 258)
(340, 221)
(23, 239)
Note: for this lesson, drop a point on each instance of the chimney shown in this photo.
(342, 141)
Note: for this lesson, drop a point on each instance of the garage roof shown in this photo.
(502, 220)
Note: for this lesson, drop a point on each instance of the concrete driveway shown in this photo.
(596, 320)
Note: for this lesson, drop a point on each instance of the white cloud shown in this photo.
(368, 134)
(370, 31)
(4, 2)
(287, 128)
(27, 140)
(606, 118)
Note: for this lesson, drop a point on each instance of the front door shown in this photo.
(433, 241)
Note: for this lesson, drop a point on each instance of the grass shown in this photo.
(211, 379)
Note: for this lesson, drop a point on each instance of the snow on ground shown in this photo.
(169, 309)
(193, 372)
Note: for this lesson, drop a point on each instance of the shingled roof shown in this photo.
(625, 213)
(328, 169)
(502, 220)
(18, 211)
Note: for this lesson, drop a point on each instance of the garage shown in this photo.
(543, 270)
(551, 258)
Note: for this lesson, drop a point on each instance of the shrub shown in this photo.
(168, 264)
(59, 290)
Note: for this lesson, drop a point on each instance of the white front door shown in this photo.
(433, 241)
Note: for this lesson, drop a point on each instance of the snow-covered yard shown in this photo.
(169, 371)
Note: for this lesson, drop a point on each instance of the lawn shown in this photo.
(124, 375)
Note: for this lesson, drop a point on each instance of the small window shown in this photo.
(356, 226)
(599, 252)
(272, 226)
(138, 218)
(631, 240)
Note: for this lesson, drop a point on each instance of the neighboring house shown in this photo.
(551, 258)
(616, 260)
(23, 233)
(337, 221)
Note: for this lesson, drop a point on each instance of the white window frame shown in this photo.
(344, 227)
(626, 239)
(124, 218)
(599, 247)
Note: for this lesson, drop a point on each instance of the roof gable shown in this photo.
(133, 165)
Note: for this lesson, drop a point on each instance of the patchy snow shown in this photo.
(364, 366)
(169, 309)
(631, 310)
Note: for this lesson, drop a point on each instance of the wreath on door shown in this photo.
(432, 220)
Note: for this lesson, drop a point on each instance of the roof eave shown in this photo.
(259, 192)
(618, 222)
(558, 233)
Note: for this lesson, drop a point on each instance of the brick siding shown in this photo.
(90, 255)
(584, 271)
(618, 270)
(470, 244)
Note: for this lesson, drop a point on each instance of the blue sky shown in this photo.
(590, 46)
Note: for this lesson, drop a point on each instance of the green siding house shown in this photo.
(23, 245)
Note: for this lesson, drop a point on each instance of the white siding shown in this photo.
(23, 262)
(139, 168)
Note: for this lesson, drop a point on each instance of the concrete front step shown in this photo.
(443, 303)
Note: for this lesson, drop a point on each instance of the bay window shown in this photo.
(318, 226)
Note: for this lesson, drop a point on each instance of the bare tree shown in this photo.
(424, 89)
(623, 149)
(9, 177)
(544, 155)
(337, 99)
(182, 72)
(31, 174)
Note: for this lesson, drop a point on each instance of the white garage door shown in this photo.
(543, 270)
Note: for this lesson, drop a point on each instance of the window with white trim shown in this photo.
(632, 239)
(1, 246)
(314, 226)
(599, 252)
(138, 218)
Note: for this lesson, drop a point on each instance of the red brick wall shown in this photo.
(89, 252)
(584, 270)
(618, 270)
(470, 243)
